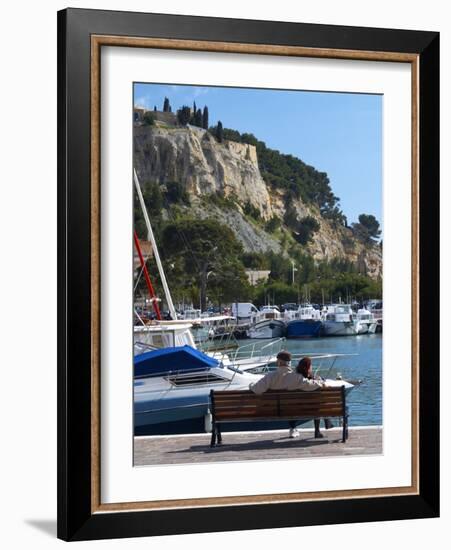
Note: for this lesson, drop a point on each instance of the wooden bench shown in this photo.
(272, 406)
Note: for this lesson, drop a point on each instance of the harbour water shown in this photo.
(364, 401)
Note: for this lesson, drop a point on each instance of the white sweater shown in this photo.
(283, 378)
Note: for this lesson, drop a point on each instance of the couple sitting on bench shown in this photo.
(284, 378)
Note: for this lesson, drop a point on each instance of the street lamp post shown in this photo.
(293, 269)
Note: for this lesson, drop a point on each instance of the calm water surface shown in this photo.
(365, 401)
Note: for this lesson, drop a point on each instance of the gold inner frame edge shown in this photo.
(97, 41)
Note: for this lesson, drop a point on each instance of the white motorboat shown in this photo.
(172, 388)
(338, 320)
(367, 321)
(267, 323)
(243, 313)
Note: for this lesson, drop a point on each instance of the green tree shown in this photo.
(306, 228)
(184, 115)
(306, 270)
(148, 119)
(250, 210)
(198, 118)
(255, 260)
(166, 105)
(153, 199)
(371, 224)
(291, 217)
(231, 135)
(275, 292)
(272, 224)
(249, 138)
(219, 132)
(209, 254)
(205, 118)
(176, 193)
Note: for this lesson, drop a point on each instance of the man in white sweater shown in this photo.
(284, 378)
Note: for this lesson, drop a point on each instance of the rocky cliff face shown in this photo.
(193, 157)
(204, 167)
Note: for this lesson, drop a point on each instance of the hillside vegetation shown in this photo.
(222, 203)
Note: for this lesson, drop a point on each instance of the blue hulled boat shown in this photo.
(305, 322)
(304, 328)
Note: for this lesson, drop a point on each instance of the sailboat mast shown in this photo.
(154, 248)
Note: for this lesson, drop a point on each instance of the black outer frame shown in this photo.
(75, 520)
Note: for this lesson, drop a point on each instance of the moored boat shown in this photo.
(305, 322)
(267, 323)
(367, 321)
(173, 385)
(338, 320)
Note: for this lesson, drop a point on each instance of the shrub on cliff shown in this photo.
(148, 119)
(176, 193)
(306, 228)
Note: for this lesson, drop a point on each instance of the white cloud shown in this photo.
(200, 91)
(142, 101)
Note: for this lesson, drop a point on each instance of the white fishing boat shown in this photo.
(375, 307)
(338, 320)
(267, 323)
(367, 321)
(243, 313)
(305, 322)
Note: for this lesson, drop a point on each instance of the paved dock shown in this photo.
(239, 446)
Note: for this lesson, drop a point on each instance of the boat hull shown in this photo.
(270, 328)
(304, 328)
(177, 411)
(339, 328)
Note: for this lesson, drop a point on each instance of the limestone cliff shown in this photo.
(193, 157)
(230, 170)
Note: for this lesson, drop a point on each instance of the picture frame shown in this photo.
(81, 36)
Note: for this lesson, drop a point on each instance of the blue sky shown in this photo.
(337, 133)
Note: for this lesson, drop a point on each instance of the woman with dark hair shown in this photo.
(304, 368)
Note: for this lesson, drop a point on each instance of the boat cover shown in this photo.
(179, 358)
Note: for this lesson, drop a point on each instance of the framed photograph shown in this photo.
(248, 274)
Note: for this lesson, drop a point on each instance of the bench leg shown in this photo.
(219, 435)
(345, 428)
(213, 435)
(318, 434)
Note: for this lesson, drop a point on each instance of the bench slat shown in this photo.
(292, 413)
(242, 406)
